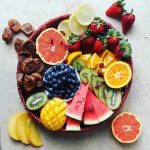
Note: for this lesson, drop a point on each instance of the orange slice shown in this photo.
(51, 46)
(95, 61)
(117, 74)
(126, 128)
(71, 57)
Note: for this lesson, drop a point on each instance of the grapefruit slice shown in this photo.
(72, 125)
(102, 111)
(51, 46)
(76, 107)
(126, 128)
(90, 117)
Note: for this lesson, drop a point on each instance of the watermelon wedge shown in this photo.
(72, 125)
(102, 111)
(76, 108)
(89, 117)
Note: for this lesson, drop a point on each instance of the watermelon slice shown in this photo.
(102, 111)
(90, 117)
(76, 108)
(72, 125)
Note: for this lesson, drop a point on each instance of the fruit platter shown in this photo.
(74, 72)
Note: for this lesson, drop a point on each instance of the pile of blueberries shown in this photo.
(61, 81)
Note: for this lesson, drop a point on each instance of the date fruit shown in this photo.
(18, 45)
(7, 35)
(27, 29)
(14, 25)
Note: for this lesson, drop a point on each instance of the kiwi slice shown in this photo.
(84, 75)
(91, 76)
(113, 98)
(78, 64)
(36, 101)
(102, 92)
(96, 83)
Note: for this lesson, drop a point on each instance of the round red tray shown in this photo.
(54, 23)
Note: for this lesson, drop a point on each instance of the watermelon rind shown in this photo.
(73, 116)
(72, 125)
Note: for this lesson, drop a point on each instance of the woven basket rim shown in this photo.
(49, 24)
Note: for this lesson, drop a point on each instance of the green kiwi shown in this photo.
(36, 101)
(96, 83)
(102, 92)
(91, 76)
(113, 98)
(78, 64)
(84, 75)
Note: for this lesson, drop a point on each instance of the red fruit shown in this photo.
(99, 45)
(127, 21)
(97, 26)
(74, 43)
(87, 41)
(116, 9)
(113, 39)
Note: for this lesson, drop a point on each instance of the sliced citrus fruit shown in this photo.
(51, 46)
(73, 56)
(95, 61)
(63, 26)
(117, 74)
(86, 59)
(109, 58)
(85, 14)
(126, 128)
(74, 26)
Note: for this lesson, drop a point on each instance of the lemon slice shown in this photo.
(63, 26)
(73, 56)
(85, 14)
(86, 59)
(74, 26)
(95, 61)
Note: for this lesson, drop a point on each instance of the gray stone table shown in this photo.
(38, 12)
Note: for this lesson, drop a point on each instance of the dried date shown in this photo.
(29, 83)
(23, 55)
(18, 45)
(14, 25)
(7, 35)
(27, 29)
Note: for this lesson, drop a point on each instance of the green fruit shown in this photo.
(84, 75)
(91, 76)
(96, 83)
(102, 92)
(113, 98)
(36, 101)
(78, 64)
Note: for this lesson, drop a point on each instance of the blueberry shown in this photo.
(73, 82)
(54, 80)
(59, 82)
(62, 93)
(52, 74)
(69, 92)
(63, 78)
(78, 70)
(56, 92)
(72, 94)
(72, 87)
(51, 95)
(49, 77)
(66, 96)
(50, 90)
(50, 82)
(45, 82)
(55, 86)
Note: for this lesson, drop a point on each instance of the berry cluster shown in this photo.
(61, 81)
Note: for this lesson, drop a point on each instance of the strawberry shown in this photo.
(87, 41)
(116, 9)
(97, 26)
(123, 50)
(73, 43)
(127, 21)
(113, 39)
(99, 45)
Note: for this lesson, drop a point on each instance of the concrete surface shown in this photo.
(39, 11)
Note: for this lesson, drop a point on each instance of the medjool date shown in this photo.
(38, 79)
(29, 83)
(23, 55)
(27, 29)
(18, 45)
(7, 35)
(14, 25)
(40, 65)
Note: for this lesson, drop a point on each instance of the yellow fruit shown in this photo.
(12, 129)
(74, 26)
(85, 14)
(22, 127)
(95, 61)
(53, 114)
(33, 134)
(63, 26)
(73, 56)
(118, 74)
(86, 59)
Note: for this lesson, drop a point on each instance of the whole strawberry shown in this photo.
(99, 45)
(123, 50)
(97, 26)
(73, 43)
(113, 39)
(116, 9)
(127, 21)
(87, 41)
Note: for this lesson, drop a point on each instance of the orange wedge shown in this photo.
(118, 74)
(95, 61)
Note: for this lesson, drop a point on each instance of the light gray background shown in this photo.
(39, 11)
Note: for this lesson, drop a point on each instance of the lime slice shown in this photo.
(74, 26)
(85, 14)
(63, 26)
